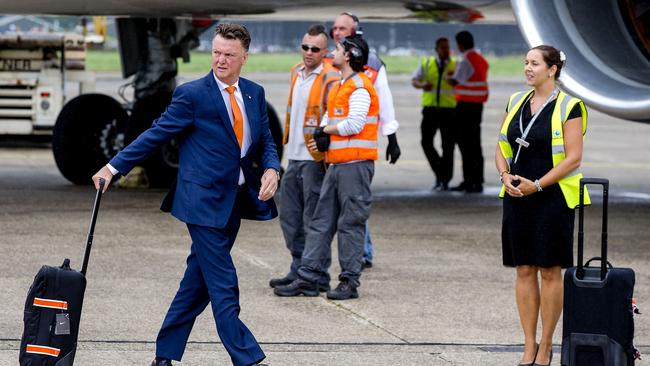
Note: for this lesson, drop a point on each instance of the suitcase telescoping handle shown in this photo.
(91, 230)
(581, 234)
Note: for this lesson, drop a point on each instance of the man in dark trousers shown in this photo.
(223, 127)
(310, 82)
(438, 105)
(349, 140)
(345, 25)
(470, 82)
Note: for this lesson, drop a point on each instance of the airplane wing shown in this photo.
(607, 42)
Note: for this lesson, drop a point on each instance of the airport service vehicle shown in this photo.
(34, 71)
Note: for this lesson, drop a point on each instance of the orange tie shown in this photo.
(237, 118)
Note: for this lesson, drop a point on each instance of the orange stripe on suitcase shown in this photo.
(43, 350)
(47, 303)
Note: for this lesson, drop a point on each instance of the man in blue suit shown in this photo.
(222, 124)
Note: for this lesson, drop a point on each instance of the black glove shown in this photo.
(392, 151)
(322, 139)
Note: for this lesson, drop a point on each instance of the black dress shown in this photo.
(537, 230)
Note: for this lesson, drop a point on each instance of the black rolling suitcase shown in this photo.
(598, 325)
(53, 309)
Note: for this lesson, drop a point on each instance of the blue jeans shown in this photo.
(367, 245)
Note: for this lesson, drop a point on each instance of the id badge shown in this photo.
(62, 324)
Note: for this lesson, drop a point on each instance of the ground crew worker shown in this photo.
(347, 25)
(300, 185)
(470, 82)
(438, 103)
(344, 204)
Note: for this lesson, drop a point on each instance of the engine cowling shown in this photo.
(607, 47)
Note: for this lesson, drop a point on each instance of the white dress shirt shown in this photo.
(296, 148)
(464, 70)
(246, 141)
(388, 125)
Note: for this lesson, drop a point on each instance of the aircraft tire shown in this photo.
(85, 134)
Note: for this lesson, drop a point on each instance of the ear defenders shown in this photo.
(356, 53)
(355, 31)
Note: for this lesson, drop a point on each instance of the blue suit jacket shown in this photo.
(209, 155)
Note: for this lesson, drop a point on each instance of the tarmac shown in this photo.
(436, 295)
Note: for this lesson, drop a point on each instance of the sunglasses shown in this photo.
(312, 48)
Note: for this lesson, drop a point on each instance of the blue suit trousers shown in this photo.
(210, 277)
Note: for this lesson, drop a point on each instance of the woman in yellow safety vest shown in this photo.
(538, 157)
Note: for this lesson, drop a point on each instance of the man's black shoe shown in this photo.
(459, 188)
(297, 287)
(343, 291)
(474, 188)
(275, 282)
(366, 264)
(161, 362)
(441, 186)
(323, 286)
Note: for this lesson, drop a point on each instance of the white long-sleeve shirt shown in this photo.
(464, 70)
(388, 125)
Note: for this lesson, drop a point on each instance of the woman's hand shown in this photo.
(508, 180)
(526, 186)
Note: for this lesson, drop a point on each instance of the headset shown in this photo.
(358, 51)
(355, 31)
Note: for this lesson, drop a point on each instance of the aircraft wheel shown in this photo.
(88, 132)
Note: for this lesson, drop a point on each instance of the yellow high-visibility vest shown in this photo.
(570, 184)
(430, 73)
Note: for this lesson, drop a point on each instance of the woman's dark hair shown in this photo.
(552, 56)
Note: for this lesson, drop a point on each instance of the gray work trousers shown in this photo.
(343, 207)
(300, 189)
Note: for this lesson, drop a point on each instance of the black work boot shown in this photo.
(275, 282)
(323, 286)
(343, 291)
(297, 287)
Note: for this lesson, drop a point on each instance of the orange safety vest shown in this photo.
(475, 89)
(316, 103)
(372, 67)
(363, 145)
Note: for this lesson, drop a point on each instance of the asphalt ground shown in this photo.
(437, 294)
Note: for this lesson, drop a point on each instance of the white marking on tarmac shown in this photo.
(363, 319)
(635, 195)
(252, 259)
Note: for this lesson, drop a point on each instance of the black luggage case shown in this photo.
(598, 325)
(53, 309)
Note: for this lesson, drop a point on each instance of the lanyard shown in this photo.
(524, 133)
